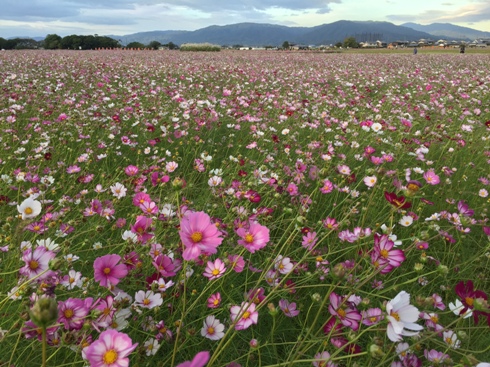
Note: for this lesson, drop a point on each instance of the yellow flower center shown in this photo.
(373, 318)
(384, 253)
(110, 357)
(395, 315)
(28, 210)
(341, 312)
(215, 272)
(68, 313)
(107, 271)
(196, 237)
(434, 319)
(210, 330)
(469, 301)
(106, 311)
(249, 238)
(146, 301)
(33, 264)
(36, 228)
(246, 315)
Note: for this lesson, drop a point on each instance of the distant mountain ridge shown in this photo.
(263, 34)
(449, 31)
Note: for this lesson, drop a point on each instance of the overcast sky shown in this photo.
(120, 17)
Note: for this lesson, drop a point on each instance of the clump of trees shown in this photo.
(76, 42)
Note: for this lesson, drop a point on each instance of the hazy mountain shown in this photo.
(259, 34)
(449, 31)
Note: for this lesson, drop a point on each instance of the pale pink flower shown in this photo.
(171, 166)
(214, 300)
(214, 270)
(212, 329)
(110, 350)
(283, 264)
(244, 315)
(37, 263)
(288, 308)
(148, 299)
(118, 190)
(369, 181)
(431, 178)
(199, 360)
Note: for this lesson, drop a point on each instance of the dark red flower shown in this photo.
(467, 294)
(398, 201)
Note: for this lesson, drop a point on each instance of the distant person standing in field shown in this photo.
(461, 49)
(415, 50)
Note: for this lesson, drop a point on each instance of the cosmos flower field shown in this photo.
(244, 209)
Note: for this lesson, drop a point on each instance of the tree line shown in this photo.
(75, 42)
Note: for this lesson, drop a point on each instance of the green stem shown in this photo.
(44, 342)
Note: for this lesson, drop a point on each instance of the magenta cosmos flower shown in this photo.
(345, 311)
(198, 235)
(199, 360)
(110, 350)
(107, 271)
(384, 256)
(254, 237)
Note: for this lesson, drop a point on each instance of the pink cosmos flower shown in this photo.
(292, 189)
(131, 170)
(288, 308)
(214, 270)
(237, 263)
(199, 360)
(309, 241)
(214, 300)
(254, 237)
(73, 311)
(369, 181)
(372, 316)
(167, 266)
(107, 271)
(327, 187)
(244, 315)
(142, 227)
(110, 350)
(323, 360)
(198, 235)
(344, 310)
(431, 178)
(37, 263)
(384, 256)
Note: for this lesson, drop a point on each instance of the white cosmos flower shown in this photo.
(212, 328)
(29, 208)
(402, 317)
(406, 221)
(457, 306)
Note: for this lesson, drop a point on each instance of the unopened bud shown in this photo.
(376, 351)
(44, 312)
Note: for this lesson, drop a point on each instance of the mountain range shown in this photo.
(263, 34)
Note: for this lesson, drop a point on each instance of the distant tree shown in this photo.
(351, 42)
(154, 45)
(237, 46)
(3, 43)
(338, 44)
(72, 42)
(135, 45)
(172, 46)
(52, 42)
(22, 43)
(286, 45)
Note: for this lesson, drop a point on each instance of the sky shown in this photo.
(37, 18)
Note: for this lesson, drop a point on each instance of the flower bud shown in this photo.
(376, 351)
(44, 312)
